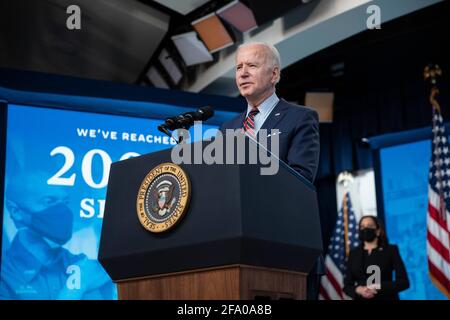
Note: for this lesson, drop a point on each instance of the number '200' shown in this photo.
(86, 167)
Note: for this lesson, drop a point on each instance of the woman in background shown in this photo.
(374, 251)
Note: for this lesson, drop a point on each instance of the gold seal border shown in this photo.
(180, 210)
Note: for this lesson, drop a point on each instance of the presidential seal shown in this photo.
(163, 197)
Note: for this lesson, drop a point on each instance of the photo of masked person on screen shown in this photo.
(35, 265)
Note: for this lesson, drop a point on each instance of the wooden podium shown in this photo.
(233, 282)
(244, 235)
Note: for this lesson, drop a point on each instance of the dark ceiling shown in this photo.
(399, 46)
(118, 41)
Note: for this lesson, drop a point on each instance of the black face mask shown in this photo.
(54, 223)
(367, 234)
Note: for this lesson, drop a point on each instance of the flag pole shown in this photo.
(437, 271)
(431, 74)
(345, 205)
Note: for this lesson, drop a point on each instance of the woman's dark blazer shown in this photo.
(390, 262)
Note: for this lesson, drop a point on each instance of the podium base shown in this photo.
(233, 282)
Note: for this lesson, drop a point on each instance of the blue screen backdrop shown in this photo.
(404, 175)
(57, 166)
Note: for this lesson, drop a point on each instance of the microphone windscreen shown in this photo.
(206, 112)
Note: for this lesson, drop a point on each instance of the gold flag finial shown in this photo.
(431, 73)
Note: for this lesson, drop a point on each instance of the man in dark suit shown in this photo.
(257, 73)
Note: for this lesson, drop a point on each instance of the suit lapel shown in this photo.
(272, 120)
(275, 116)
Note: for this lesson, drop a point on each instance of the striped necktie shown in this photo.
(249, 122)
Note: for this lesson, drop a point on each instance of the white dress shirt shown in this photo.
(265, 108)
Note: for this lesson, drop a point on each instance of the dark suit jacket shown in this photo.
(299, 135)
(388, 259)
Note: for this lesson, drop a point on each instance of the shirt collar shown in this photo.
(265, 106)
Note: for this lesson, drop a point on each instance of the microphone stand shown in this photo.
(164, 130)
(180, 138)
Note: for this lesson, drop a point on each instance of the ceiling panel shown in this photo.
(182, 6)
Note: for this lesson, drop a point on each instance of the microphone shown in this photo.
(186, 120)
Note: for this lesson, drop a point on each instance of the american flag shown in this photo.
(344, 238)
(438, 217)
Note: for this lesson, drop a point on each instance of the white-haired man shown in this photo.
(257, 73)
